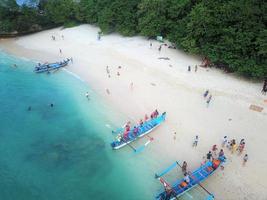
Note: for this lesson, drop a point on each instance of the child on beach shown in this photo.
(224, 141)
(241, 146)
(195, 141)
(245, 159)
(221, 153)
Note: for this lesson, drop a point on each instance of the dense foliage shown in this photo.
(231, 34)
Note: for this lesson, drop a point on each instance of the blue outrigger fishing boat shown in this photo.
(137, 132)
(180, 187)
(50, 66)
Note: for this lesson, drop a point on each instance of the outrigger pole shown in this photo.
(197, 182)
(166, 184)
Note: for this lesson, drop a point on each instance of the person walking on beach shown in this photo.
(224, 141)
(60, 51)
(195, 141)
(264, 88)
(159, 48)
(206, 93)
(241, 146)
(71, 59)
(131, 86)
(108, 92)
(184, 167)
(99, 36)
(107, 70)
(208, 100)
(245, 159)
(150, 45)
(195, 68)
(62, 36)
(189, 68)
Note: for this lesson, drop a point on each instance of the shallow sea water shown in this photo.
(63, 152)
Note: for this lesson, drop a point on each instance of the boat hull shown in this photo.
(50, 67)
(196, 177)
(154, 123)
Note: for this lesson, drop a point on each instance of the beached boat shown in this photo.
(50, 66)
(142, 130)
(180, 187)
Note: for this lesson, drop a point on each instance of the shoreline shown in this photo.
(167, 88)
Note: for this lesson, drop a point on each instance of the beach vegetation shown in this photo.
(231, 34)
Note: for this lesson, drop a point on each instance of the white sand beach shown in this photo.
(166, 85)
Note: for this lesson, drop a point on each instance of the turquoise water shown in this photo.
(63, 152)
(59, 152)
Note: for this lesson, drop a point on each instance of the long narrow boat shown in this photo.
(179, 188)
(142, 130)
(51, 66)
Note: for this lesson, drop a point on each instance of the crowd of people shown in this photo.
(232, 145)
(127, 128)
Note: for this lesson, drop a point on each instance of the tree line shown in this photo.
(232, 34)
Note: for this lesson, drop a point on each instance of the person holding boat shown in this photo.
(186, 180)
(146, 117)
(135, 131)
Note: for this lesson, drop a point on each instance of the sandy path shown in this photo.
(168, 86)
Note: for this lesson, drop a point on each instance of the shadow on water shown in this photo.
(66, 153)
(11, 182)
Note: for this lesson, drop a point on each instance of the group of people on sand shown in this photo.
(231, 145)
(54, 37)
(234, 147)
(264, 87)
(108, 71)
(207, 96)
(189, 68)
